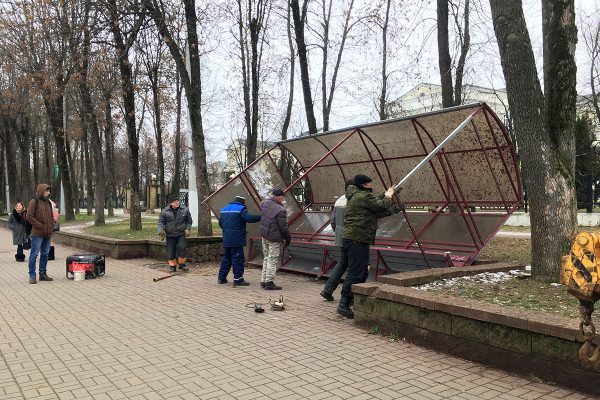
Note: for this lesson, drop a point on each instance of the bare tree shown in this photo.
(591, 38)
(90, 121)
(193, 88)
(299, 17)
(452, 95)
(152, 53)
(547, 153)
(252, 23)
(123, 41)
(326, 44)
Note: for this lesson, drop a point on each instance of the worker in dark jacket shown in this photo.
(174, 224)
(39, 215)
(360, 225)
(232, 219)
(274, 231)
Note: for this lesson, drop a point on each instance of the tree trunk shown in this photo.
(176, 185)
(89, 170)
(299, 20)
(193, 89)
(546, 170)
(91, 126)
(465, 44)
(383, 114)
(158, 131)
(54, 110)
(255, 28)
(35, 155)
(195, 110)
(122, 52)
(110, 151)
(245, 88)
(47, 162)
(444, 60)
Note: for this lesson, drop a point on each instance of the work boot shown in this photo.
(32, 280)
(173, 269)
(183, 268)
(326, 296)
(44, 277)
(262, 284)
(222, 281)
(271, 286)
(242, 283)
(345, 311)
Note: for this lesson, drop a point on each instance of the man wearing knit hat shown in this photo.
(232, 219)
(274, 230)
(360, 225)
(174, 224)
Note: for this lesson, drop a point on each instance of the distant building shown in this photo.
(236, 155)
(427, 97)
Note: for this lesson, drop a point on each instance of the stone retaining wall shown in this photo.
(531, 343)
(200, 249)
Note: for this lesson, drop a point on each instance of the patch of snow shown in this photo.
(486, 277)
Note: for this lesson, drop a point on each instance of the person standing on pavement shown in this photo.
(232, 219)
(274, 230)
(16, 223)
(39, 215)
(174, 224)
(360, 225)
(337, 224)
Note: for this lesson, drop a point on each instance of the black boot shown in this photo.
(20, 257)
(44, 277)
(183, 268)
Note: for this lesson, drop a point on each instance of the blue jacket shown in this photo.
(232, 220)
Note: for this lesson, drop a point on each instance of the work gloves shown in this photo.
(187, 233)
(162, 235)
(390, 193)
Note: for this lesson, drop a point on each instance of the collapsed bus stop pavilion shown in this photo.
(457, 172)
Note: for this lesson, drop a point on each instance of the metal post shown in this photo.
(192, 188)
(440, 146)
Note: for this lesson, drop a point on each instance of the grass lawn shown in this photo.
(520, 293)
(120, 229)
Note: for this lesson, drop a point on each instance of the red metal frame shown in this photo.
(451, 190)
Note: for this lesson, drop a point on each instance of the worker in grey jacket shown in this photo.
(174, 224)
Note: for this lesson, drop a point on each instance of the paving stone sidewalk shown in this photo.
(124, 336)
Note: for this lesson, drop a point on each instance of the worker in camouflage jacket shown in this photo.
(360, 224)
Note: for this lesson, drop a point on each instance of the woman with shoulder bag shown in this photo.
(16, 223)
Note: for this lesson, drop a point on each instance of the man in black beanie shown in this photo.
(360, 225)
(174, 224)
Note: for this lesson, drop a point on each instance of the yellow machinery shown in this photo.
(579, 273)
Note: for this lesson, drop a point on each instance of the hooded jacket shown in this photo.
(39, 214)
(232, 219)
(273, 222)
(362, 211)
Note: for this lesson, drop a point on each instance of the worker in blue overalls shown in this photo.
(232, 219)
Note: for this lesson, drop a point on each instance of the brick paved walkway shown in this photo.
(126, 337)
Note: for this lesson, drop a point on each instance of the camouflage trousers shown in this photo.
(271, 251)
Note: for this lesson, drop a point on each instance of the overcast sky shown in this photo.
(414, 60)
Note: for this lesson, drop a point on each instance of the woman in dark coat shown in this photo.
(16, 223)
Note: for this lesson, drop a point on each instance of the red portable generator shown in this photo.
(94, 265)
